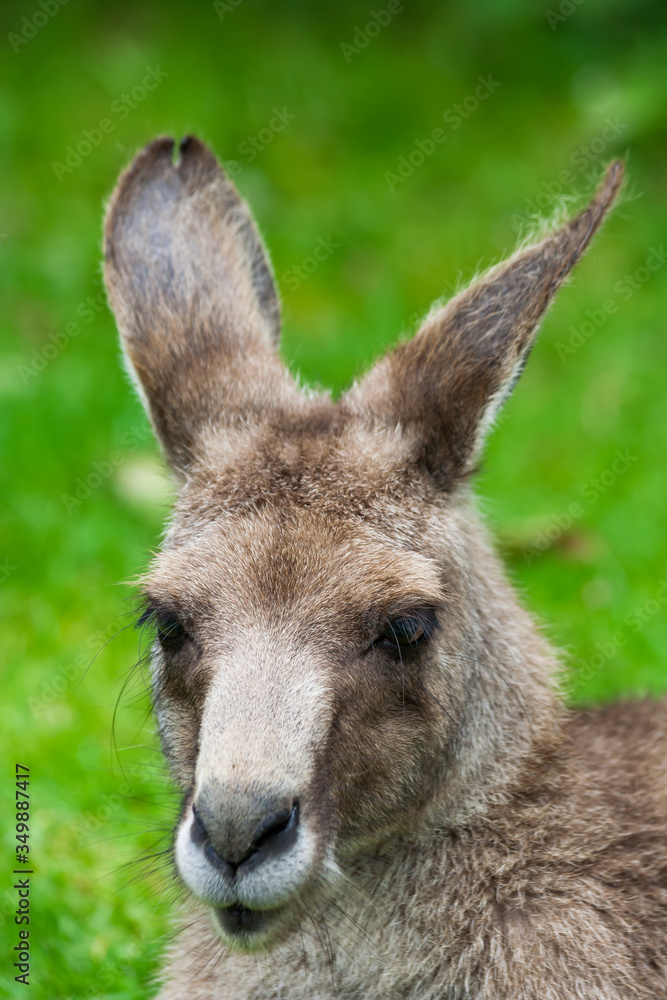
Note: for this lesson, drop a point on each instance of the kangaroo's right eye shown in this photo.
(170, 632)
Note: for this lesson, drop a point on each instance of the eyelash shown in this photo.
(169, 632)
(400, 636)
(404, 634)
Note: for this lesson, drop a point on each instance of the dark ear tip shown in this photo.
(161, 148)
(190, 146)
(606, 192)
(195, 158)
(580, 230)
(157, 153)
(611, 183)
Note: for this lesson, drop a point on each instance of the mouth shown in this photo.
(242, 923)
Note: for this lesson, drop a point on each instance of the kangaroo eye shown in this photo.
(405, 633)
(170, 632)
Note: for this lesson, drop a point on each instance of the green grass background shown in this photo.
(97, 929)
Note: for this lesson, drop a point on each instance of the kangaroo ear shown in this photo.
(194, 298)
(444, 387)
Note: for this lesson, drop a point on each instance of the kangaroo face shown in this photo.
(321, 664)
(305, 605)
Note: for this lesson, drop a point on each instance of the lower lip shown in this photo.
(236, 920)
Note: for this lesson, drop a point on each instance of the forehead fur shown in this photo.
(258, 562)
(324, 460)
(322, 509)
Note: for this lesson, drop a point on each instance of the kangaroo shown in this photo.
(384, 796)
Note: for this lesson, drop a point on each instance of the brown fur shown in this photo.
(461, 833)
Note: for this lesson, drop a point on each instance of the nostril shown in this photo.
(199, 836)
(197, 830)
(274, 824)
(275, 835)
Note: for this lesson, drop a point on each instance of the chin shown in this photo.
(250, 931)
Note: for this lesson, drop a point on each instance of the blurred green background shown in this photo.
(317, 116)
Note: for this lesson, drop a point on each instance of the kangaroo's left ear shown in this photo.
(444, 387)
(193, 293)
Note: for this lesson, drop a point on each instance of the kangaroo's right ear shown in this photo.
(194, 298)
(443, 388)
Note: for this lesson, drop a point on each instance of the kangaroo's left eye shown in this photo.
(405, 633)
(170, 632)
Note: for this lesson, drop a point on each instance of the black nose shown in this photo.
(275, 834)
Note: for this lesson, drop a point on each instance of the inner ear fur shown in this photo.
(193, 293)
(444, 386)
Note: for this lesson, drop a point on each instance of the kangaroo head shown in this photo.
(338, 658)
